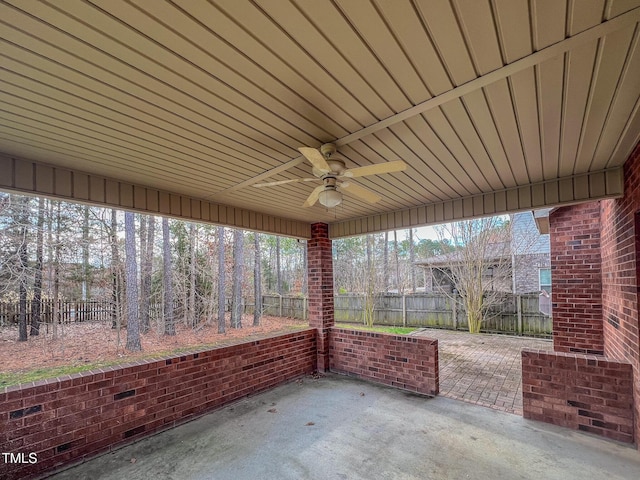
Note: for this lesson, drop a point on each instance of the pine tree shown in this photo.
(131, 273)
(169, 321)
(238, 266)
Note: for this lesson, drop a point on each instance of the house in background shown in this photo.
(525, 250)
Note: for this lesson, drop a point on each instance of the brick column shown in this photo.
(576, 277)
(320, 275)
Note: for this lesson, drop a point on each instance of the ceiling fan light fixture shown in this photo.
(330, 198)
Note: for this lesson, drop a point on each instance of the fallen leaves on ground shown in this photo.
(93, 343)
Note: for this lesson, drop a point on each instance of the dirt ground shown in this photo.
(90, 343)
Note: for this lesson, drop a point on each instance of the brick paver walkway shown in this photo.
(482, 369)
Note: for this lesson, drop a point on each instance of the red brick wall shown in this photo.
(584, 392)
(577, 279)
(620, 268)
(320, 278)
(64, 420)
(406, 362)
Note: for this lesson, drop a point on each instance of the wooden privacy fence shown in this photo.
(285, 306)
(517, 315)
(92, 311)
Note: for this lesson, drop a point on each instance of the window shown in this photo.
(544, 275)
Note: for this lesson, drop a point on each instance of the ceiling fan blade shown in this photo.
(283, 182)
(316, 158)
(313, 198)
(388, 167)
(361, 192)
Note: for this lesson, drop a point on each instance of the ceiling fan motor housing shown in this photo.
(327, 150)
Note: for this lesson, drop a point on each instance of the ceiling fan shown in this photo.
(331, 170)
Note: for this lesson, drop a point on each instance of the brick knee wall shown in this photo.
(68, 419)
(584, 392)
(405, 362)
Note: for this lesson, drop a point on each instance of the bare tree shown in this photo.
(221, 281)
(85, 253)
(191, 303)
(23, 219)
(238, 266)
(278, 267)
(131, 272)
(169, 321)
(399, 283)
(412, 261)
(147, 232)
(115, 271)
(305, 278)
(370, 283)
(56, 270)
(257, 281)
(385, 267)
(36, 305)
(478, 265)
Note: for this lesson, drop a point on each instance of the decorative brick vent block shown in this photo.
(65, 420)
(401, 361)
(583, 392)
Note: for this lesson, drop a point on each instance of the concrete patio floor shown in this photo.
(482, 369)
(341, 428)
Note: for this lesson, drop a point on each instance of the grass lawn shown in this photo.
(393, 330)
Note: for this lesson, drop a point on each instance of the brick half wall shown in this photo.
(68, 419)
(584, 392)
(406, 362)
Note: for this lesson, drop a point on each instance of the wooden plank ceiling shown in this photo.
(495, 105)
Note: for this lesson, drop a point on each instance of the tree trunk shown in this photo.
(221, 281)
(169, 321)
(278, 267)
(146, 271)
(257, 282)
(238, 266)
(305, 278)
(115, 268)
(369, 304)
(386, 261)
(85, 254)
(36, 305)
(133, 326)
(142, 232)
(397, 262)
(56, 274)
(23, 218)
(191, 319)
(412, 259)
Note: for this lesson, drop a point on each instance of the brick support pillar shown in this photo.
(576, 277)
(320, 276)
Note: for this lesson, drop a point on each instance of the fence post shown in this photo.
(519, 310)
(404, 310)
(280, 305)
(304, 308)
(454, 312)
